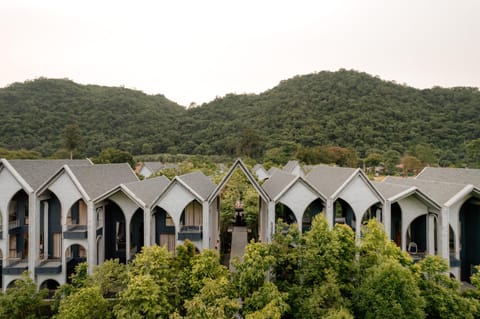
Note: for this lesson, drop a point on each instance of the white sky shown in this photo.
(192, 51)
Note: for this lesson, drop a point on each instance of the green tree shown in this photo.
(284, 249)
(389, 290)
(214, 300)
(473, 152)
(22, 300)
(87, 302)
(373, 159)
(111, 277)
(411, 165)
(250, 144)
(72, 138)
(145, 297)
(442, 293)
(375, 248)
(425, 154)
(112, 155)
(391, 159)
(261, 298)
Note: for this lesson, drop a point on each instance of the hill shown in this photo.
(34, 114)
(345, 108)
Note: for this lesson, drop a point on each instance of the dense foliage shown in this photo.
(349, 109)
(324, 273)
(40, 114)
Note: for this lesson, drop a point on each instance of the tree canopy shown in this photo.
(347, 109)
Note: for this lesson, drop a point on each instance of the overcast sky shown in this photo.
(193, 51)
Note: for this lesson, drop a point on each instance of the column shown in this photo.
(387, 218)
(92, 236)
(329, 212)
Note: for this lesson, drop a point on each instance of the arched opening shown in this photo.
(18, 221)
(50, 228)
(136, 233)
(316, 207)
(74, 254)
(469, 237)
(374, 212)
(284, 212)
(115, 233)
(344, 214)
(191, 221)
(12, 283)
(238, 220)
(51, 285)
(164, 229)
(396, 224)
(77, 216)
(417, 237)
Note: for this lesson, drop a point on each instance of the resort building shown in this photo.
(55, 214)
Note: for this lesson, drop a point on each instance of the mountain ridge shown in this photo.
(346, 108)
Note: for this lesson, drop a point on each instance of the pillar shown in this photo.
(92, 236)
(387, 218)
(329, 212)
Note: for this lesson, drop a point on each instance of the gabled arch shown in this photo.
(344, 214)
(74, 255)
(18, 224)
(164, 228)
(316, 207)
(51, 285)
(282, 211)
(115, 239)
(243, 168)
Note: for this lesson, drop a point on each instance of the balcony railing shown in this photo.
(15, 266)
(193, 233)
(13, 224)
(75, 232)
(49, 267)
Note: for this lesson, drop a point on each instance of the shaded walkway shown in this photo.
(239, 241)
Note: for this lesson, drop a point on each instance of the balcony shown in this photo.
(49, 267)
(76, 232)
(15, 227)
(15, 267)
(193, 233)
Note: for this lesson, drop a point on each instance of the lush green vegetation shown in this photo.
(323, 273)
(347, 109)
(37, 115)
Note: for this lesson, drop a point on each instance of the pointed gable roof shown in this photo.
(328, 179)
(240, 164)
(439, 191)
(148, 189)
(389, 190)
(142, 192)
(277, 183)
(97, 179)
(291, 166)
(451, 175)
(36, 172)
(272, 170)
(198, 182)
(395, 192)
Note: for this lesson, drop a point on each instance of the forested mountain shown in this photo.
(344, 108)
(35, 113)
